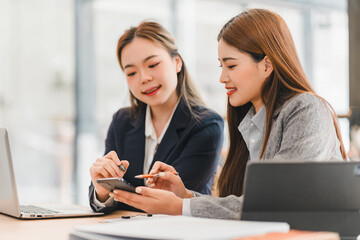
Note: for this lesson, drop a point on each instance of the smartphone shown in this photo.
(115, 183)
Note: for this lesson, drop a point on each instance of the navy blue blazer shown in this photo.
(192, 146)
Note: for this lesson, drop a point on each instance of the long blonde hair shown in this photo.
(156, 33)
(261, 33)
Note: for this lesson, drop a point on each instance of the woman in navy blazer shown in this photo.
(188, 135)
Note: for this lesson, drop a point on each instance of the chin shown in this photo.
(238, 103)
(235, 103)
(156, 102)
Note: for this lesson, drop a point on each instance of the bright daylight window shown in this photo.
(37, 66)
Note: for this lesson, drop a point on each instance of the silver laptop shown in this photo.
(316, 196)
(9, 203)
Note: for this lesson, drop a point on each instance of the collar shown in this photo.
(149, 126)
(258, 119)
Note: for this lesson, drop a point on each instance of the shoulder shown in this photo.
(195, 115)
(126, 116)
(305, 104)
(304, 129)
(122, 113)
(206, 116)
(200, 120)
(305, 114)
(302, 100)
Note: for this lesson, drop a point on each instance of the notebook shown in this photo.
(9, 203)
(316, 196)
(175, 227)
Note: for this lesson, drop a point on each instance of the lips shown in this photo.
(230, 90)
(151, 91)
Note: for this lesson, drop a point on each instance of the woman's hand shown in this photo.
(151, 200)
(168, 181)
(106, 167)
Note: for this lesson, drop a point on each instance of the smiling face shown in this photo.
(242, 76)
(151, 73)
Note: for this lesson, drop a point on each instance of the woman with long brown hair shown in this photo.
(273, 113)
(167, 120)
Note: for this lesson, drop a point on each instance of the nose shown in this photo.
(224, 78)
(145, 77)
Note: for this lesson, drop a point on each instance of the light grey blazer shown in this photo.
(302, 129)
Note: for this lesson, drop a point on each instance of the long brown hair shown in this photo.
(156, 33)
(260, 33)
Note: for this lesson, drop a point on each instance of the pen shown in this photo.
(122, 168)
(152, 175)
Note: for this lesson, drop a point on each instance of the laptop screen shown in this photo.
(302, 186)
(316, 196)
(8, 196)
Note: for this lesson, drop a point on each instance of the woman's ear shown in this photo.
(178, 63)
(268, 66)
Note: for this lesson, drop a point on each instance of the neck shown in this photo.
(160, 114)
(257, 104)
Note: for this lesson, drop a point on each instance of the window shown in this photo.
(37, 69)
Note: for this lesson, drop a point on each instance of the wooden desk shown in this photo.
(295, 235)
(59, 229)
(48, 229)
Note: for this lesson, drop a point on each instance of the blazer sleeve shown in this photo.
(96, 208)
(214, 207)
(110, 139)
(198, 160)
(109, 145)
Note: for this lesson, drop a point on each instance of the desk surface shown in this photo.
(53, 229)
(60, 228)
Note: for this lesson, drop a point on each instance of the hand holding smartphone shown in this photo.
(116, 183)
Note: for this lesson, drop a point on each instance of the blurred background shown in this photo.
(60, 81)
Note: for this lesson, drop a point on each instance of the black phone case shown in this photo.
(115, 183)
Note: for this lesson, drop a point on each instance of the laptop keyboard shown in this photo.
(36, 210)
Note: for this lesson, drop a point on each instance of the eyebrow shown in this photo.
(146, 59)
(227, 58)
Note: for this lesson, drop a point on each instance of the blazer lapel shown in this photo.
(178, 122)
(134, 149)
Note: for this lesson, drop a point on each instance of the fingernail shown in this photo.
(151, 185)
(115, 191)
(162, 174)
(138, 190)
(111, 194)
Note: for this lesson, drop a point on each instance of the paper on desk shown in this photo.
(182, 227)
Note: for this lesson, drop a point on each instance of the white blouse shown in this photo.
(152, 142)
